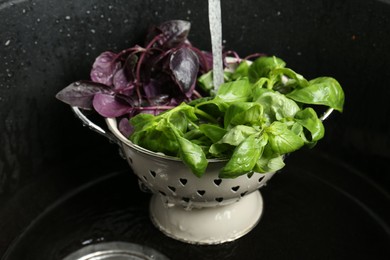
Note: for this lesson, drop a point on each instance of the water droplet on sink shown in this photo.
(7, 42)
(67, 17)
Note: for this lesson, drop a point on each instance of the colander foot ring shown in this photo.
(208, 225)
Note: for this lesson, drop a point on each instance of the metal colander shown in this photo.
(171, 178)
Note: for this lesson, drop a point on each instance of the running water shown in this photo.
(216, 41)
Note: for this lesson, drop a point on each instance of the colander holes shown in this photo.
(173, 189)
(219, 199)
(130, 160)
(217, 182)
(153, 173)
(183, 181)
(185, 199)
(249, 175)
(235, 188)
(162, 193)
(243, 194)
(201, 192)
(261, 178)
(145, 178)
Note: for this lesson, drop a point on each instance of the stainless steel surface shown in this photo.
(116, 251)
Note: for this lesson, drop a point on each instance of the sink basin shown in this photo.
(326, 212)
(63, 188)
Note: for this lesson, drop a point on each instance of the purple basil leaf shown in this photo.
(125, 127)
(132, 101)
(175, 101)
(104, 68)
(184, 65)
(120, 80)
(109, 106)
(174, 33)
(80, 93)
(207, 60)
(152, 88)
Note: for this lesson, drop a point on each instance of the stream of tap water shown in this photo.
(215, 22)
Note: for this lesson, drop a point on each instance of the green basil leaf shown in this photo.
(205, 82)
(221, 150)
(244, 157)
(140, 120)
(277, 106)
(214, 107)
(192, 155)
(241, 71)
(234, 91)
(294, 80)
(213, 132)
(308, 119)
(193, 134)
(157, 138)
(320, 91)
(282, 140)
(237, 135)
(179, 120)
(262, 66)
(269, 162)
(243, 113)
(259, 89)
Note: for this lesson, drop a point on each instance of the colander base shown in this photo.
(209, 225)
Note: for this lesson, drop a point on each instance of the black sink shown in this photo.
(309, 213)
(63, 187)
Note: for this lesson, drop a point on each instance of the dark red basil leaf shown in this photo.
(125, 127)
(104, 68)
(152, 88)
(120, 80)
(130, 100)
(184, 65)
(175, 101)
(174, 33)
(80, 93)
(206, 60)
(109, 106)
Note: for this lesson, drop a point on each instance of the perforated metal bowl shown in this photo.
(171, 178)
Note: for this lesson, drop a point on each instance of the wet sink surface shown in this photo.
(309, 214)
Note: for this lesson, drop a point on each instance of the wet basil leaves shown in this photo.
(249, 122)
(263, 111)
